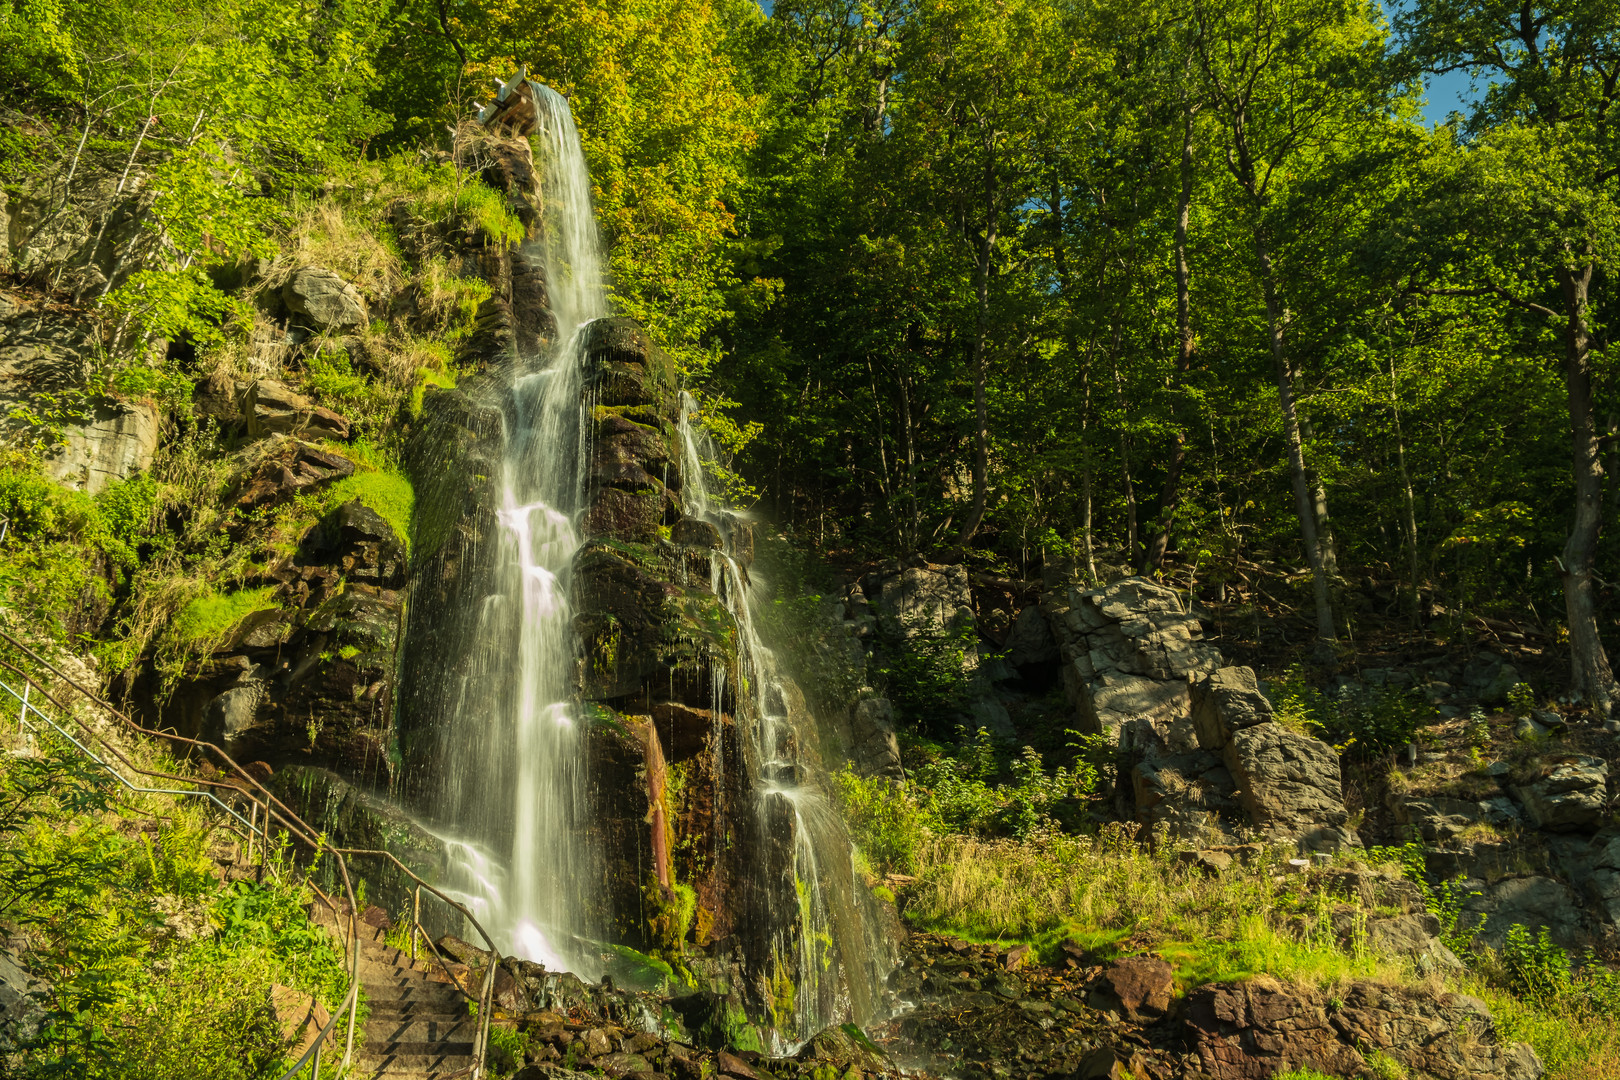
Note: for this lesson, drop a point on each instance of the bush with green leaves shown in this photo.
(1364, 722)
(156, 971)
(922, 670)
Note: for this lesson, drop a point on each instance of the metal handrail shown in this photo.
(291, 823)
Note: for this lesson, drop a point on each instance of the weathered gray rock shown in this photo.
(1570, 796)
(272, 407)
(1415, 935)
(875, 752)
(1533, 902)
(1128, 649)
(1440, 819)
(923, 598)
(22, 998)
(1226, 701)
(1183, 795)
(1593, 867)
(1289, 785)
(118, 440)
(324, 299)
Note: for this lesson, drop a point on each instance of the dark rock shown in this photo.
(1014, 958)
(288, 470)
(1030, 641)
(272, 408)
(1570, 796)
(694, 532)
(731, 1065)
(1139, 987)
(1534, 902)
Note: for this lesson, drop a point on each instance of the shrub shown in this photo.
(1365, 722)
(922, 671)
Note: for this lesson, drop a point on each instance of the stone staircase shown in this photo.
(418, 1026)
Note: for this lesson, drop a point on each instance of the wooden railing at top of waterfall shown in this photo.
(269, 810)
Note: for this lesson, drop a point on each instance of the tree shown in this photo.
(1289, 83)
(1536, 205)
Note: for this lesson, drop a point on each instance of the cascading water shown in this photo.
(832, 954)
(513, 779)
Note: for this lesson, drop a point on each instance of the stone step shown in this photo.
(379, 995)
(386, 1006)
(389, 1030)
(415, 1059)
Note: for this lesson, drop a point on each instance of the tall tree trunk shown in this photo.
(1170, 495)
(981, 408)
(1132, 529)
(1590, 675)
(1304, 503)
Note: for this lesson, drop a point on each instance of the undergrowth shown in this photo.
(152, 968)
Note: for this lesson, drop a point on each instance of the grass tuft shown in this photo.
(214, 614)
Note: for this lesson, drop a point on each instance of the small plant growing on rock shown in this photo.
(1521, 699)
(1477, 730)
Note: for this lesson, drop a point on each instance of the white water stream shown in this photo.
(517, 774)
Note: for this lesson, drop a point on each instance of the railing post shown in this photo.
(416, 920)
(354, 990)
(315, 1066)
(253, 830)
(22, 713)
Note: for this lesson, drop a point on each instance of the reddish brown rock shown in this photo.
(1015, 957)
(1139, 987)
(1255, 1029)
(731, 1065)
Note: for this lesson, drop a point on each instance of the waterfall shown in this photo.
(514, 779)
(833, 954)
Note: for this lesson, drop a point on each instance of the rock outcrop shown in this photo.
(1128, 649)
(1254, 1029)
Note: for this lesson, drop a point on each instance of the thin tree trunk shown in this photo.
(1590, 675)
(1408, 502)
(981, 408)
(1170, 495)
(1132, 533)
(1304, 504)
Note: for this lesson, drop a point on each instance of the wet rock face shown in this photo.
(311, 680)
(635, 475)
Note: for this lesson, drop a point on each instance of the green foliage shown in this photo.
(177, 304)
(1445, 901)
(1367, 722)
(1521, 699)
(480, 209)
(922, 668)
(214, 614)
(95, 883)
